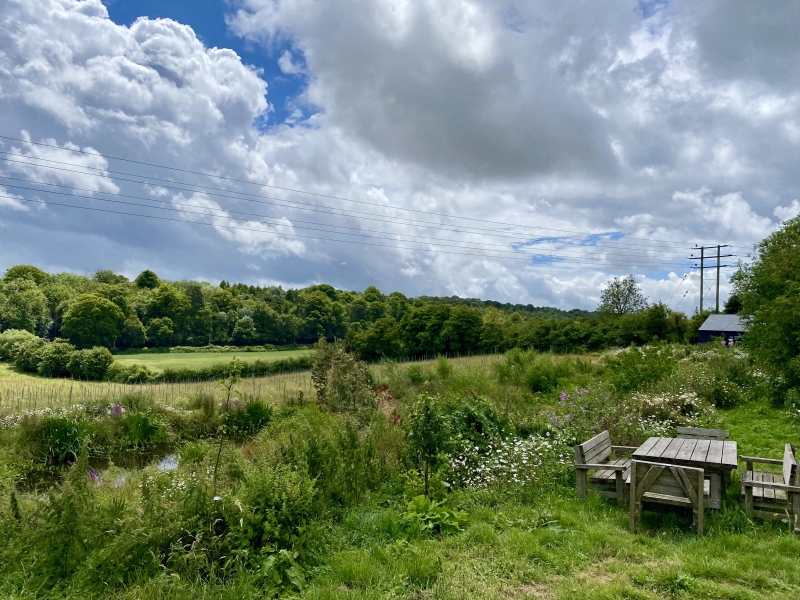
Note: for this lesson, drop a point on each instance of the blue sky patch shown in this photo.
(207, 18)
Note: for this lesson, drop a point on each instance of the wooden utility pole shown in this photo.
(702, 269)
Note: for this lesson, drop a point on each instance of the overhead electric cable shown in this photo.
(438, 241)
(328, 196)
(262, 199)
(527, 258)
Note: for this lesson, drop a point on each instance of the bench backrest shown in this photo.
(668, 481)
(696, 433)
(790, 474)
(595, 450)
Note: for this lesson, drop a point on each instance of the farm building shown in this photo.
(717, 326)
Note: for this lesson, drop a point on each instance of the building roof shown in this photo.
(730, 323)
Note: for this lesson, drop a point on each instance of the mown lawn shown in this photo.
(190, 360)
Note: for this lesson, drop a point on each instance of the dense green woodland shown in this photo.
(106, 309)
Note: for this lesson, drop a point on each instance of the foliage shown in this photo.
(248, 418)
(428, 436)
(54, 359)
(431, 516)
(91, 364)
(537, 372)
(636, 368)
(622, 297)
(342, 381)
(147, 279)
(92, 320)
(27, 354)
(129, 373)
(9, 340)
(23, 305)
(769, 291)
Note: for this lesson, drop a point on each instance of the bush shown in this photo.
(9, 338)
(341, 380)
(249, 419)
(27, 354)
(537, 372)
(637, 368)
(134, 373)
(54, 359)
(91, 364)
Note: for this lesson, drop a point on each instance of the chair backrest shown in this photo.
(790, 474)
(696, 433)
(666, 483)
(595, 450)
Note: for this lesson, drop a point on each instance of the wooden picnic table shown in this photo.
(716, 457)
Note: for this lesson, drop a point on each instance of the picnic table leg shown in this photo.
(748, 501)
(620, 488)
(580, 480)
(715, 493)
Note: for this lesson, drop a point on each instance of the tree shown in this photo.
(380, 340)
(160, 332)
(769, 290)
(133, 332)
(462, 330)
(92, 321)
(732, 305)
(147, 279)
(622, 297)
(427, 436)
(23, 306)
(30, 272)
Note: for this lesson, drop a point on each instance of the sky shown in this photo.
(524, 152)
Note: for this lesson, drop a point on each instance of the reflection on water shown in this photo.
(168, 463)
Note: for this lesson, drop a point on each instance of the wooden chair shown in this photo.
(609, 474)
(774, 496)
(674, 485)
(696, 433)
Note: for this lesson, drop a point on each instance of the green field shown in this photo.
(198, 360)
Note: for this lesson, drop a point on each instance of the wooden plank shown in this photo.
(714, 456)
(700, 451)
(789, 466)
(672, 450)
(758, 493)
(641, 451)
(769, 494)
(598, 455)
(665, 499)
(730, 458)
(687, 448)
(600, 438)
(700, 433)
(658, 449)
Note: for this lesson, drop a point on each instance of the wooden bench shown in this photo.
(696, 433)
(659, 483)
(609, 474)
(774, 496)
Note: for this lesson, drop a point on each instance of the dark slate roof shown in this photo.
(724, 323)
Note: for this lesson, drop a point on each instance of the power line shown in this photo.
(435, 241)
(262, 199)
(526, 258)
(327, 196)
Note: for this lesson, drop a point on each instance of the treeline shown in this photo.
(107, 310)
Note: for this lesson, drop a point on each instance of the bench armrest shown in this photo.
(771, 486)
(754, 459)
(624, 448)
(605, 467)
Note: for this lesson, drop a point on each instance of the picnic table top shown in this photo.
(708, 454)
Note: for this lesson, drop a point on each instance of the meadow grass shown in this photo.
(534, 541)
(199, 360)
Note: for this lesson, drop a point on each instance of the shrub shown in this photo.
(248, 419)
(415, 374)
(90, 364)
(430, 516)
(134, 373)
(428, 436)
(9, 338)
(341, 380)
(535, 371)
(27, 354)
(636, 368)
(54, 359)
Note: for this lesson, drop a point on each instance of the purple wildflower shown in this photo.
(95, 477)
(116, 410)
